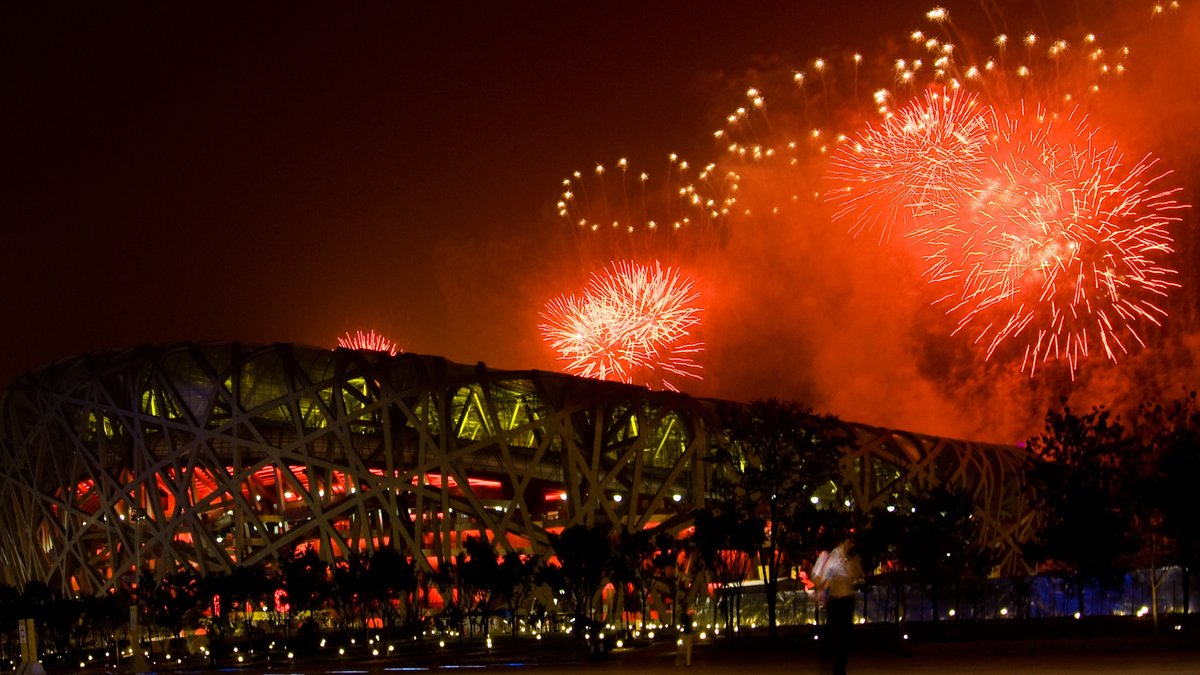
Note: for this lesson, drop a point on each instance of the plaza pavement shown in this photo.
(1167, 662)
(1172, 662)
(1158, 662)
(791, 654)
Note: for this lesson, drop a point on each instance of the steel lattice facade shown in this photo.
(213, 455)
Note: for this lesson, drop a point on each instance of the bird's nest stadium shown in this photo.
(214, 455)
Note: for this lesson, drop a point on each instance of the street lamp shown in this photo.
(137, 660)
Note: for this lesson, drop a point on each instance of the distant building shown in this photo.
(211, 455)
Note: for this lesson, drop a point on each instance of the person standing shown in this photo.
(837, 575)
(686, 641)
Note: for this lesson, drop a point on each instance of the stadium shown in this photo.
(215, 455)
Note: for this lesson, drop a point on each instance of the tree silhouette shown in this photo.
(515, 582)
(108, 613)
(305, 578)
(249, 587)
(390, 580)
(668, 562)
(447, 578)
(726, 543)
(632, 569)
(217, 601)
(879, 548)
(940, 542)
(1078, 474)
(172, 600)
(1170, 513)
(584, 561)
(37, 602)
(350, 590)
(479, 574)
(780, 458)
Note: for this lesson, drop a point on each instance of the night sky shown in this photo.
(286, 172)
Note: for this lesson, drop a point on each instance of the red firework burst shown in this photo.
(1063, 244)
(901, 174)
(631, 321)
(370, 341)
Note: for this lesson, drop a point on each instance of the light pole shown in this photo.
(137, 661)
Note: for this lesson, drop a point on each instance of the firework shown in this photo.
(370, 341)
(901, 173)
(938, 83)
(619, 211)
(784, 144)
(787, 137)
(1040, 242)
(1063, 245)
(631, 322)
(1049, 241)
(1061, 71)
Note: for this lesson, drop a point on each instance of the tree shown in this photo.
(632, 569)
(248, 587)
(515, 582)
(305, 578)
(389, 583)
(1077, 473)
(782, 460)
(479, 572)
(349, 590)
(37, 602)
(878, 546)
(218, 603)
(109, 613)
(1170, 433)
(725, 546)
(62, 622)
(227, 595)
(173, 598)
(668, 562)
(940, 542)
(584, 561)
